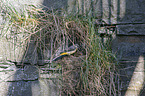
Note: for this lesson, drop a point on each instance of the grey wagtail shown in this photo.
(71, 50)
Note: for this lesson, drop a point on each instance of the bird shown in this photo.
(71, 50)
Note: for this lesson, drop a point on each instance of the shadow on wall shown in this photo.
(25, 82)
(132, 76)
(129, 46)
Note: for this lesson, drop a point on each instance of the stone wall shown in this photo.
(128, 18)
(28, 81)
(129, 47)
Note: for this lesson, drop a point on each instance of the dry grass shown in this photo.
(91, 71)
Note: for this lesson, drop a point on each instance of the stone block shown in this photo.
(29, 72)
(127, 46)
(131, 29)
(27, 82)
(30, 88)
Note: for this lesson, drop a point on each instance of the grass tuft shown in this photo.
(53, 32)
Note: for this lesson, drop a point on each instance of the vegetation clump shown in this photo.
(90, 71)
